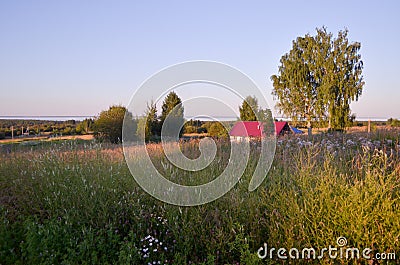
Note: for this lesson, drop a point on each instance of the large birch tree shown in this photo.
(319, 78)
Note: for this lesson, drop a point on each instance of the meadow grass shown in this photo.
(76, 203)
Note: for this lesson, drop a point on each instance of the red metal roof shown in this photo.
(247, 129)
(279, 125)
(254, 128)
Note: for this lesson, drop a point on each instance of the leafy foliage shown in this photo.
(394, 122)
(194, 126)
(149, 124)
(173, 109)
(85, 126)
(108, 125)
(216, 129)
(172, 105)
(344, 81)
(319, 78)
(249, 109)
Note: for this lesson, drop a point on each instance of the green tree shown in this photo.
(216, 129)
(393, 122)
(192, 126)
(296, 85)
(173, 109)
(108, 125)
(249, 109)
(190, 129)
(265, 115)
(85, 126)
(149, 124)
(344, 80)
(319, 78)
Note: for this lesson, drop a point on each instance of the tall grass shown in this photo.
(69, 202)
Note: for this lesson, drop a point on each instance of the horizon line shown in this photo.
(186, 117)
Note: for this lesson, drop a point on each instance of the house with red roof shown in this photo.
(248, 130)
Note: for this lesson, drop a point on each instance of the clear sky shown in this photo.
(79, 57)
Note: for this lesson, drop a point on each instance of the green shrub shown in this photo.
(190, 129)
(394, 122)
(108, 125)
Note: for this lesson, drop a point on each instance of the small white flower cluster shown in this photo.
(150, 246)
(161, 221)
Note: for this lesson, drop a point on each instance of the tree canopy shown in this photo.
(172, 109)
(108, 125)
(319, 78)
(85, 126)
(168, 107)
(249, 109)
(149, 123)
(218, 130)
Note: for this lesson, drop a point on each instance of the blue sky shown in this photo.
(79, 57)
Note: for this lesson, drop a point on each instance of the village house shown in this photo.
(253, 130)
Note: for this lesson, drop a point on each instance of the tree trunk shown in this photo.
(369, 126)
(309, 128)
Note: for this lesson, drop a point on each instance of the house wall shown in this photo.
(240, 139)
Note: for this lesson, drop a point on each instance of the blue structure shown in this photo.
(295, 130)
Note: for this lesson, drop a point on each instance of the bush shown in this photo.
(217, 130)
(190, 129)
(108, 125)
(394, 122)
(85, 126)
(67, 131)
(201, 130)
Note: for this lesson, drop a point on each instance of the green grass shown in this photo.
(76, 203)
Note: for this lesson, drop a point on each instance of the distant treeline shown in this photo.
(87, 126)
(44, 127)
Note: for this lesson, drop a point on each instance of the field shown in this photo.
(75, 202)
